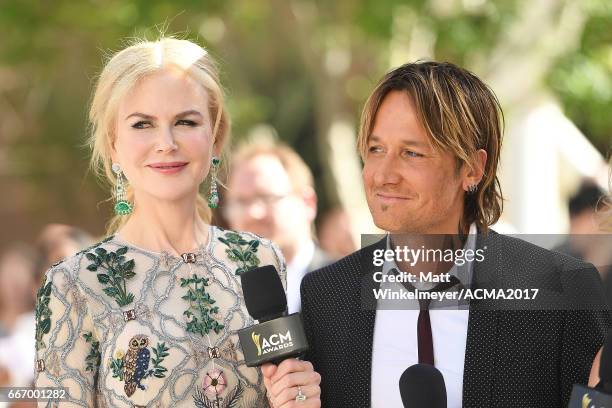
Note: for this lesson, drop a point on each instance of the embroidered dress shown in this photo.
(120, 326)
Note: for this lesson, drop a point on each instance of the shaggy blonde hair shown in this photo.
(122, 72)
(460, 114)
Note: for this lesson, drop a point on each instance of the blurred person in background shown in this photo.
(149, 315)
(335, 233)
(58, 241)
(271, 193)
(587, 238)
(17, 282)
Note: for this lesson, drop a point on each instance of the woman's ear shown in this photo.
(112, 150)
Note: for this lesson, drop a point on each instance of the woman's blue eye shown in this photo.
(374, 149)
(142, 124)
(186, 122)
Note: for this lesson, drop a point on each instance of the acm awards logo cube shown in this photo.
(274, 342)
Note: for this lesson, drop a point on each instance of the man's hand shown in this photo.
(282, 383)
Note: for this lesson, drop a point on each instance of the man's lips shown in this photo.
(390, 198)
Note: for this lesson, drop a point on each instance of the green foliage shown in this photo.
(241, 251)
(198, 315)
(118, 269)
(43, 314)
(92, 360)
(116, 365)
(583, 80)
(160, 352)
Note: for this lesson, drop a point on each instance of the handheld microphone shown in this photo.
(600, 396)
(277, 336)
(422, 386)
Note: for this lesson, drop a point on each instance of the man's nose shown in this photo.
(387, 171)
(256, 210)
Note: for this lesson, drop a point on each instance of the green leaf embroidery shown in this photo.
(116, 365)
(94, 357)
(200, 308)
(118, 272)
(241, 251)
(43, 314)
(160, 352)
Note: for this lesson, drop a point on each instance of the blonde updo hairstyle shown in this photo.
(121, 73)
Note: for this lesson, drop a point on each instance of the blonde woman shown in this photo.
(148, 317)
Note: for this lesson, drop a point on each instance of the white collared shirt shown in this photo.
(395, 346)
(296, 269)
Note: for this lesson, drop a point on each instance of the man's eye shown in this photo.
(186, 122)
(142, 124)
(410, 153)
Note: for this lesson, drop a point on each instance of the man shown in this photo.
(430, 139)
(271, 193)
(587, 240)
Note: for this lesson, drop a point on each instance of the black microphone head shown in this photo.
(422, 386)
(605, 364)
(263, 292)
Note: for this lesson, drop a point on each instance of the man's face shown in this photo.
(261, 199)
(410, 186)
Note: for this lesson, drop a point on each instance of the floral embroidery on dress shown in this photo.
(241, 251)
(93, 358)
(214, 384)
(43, 314)
(54, 364)
(118, 269)
(133, 367)
(200, 314)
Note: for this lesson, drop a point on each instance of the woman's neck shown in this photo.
(165, 226)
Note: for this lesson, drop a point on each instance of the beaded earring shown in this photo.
(213, 198)
(122, 205)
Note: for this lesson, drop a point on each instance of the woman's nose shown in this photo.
(166, 141)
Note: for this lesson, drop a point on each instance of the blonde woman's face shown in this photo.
(164, 141)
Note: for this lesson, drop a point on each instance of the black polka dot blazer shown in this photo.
(518, 354)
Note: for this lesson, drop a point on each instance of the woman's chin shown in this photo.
(172, 195)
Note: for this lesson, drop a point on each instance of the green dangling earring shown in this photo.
(213, 198)
(122, 205)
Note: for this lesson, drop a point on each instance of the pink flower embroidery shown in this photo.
(214, 383)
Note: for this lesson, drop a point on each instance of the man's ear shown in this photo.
(475, 172)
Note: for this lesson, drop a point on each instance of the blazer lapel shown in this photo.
(481, 347)
(363, 323)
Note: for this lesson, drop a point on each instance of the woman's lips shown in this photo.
(168, 168)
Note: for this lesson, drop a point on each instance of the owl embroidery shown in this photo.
(136, 364)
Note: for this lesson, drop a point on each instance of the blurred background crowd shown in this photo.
(297, 74)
